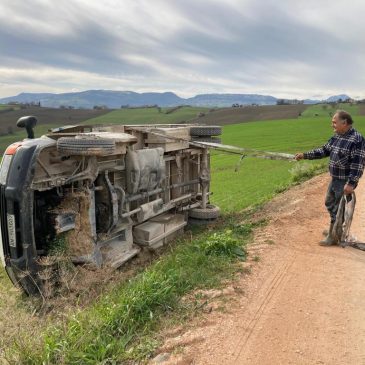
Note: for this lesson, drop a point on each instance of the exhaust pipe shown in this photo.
(27, 122)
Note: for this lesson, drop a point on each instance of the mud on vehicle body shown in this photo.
(106, 191)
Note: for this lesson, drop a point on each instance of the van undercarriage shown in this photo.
(103, 192)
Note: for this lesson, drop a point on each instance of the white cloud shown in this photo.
(287, 48)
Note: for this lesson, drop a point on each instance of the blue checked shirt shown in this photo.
(347, 156)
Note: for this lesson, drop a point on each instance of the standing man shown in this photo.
(347, 157)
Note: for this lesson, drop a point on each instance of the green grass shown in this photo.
(115, 328)
(288, 135)
(255, 182)
(14, 308)
(9, 107)
(147, 115)
(325, 110)
(20, 134)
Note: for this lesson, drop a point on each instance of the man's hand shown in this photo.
(348, 189)
(299, 156)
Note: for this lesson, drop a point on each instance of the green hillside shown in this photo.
(327, 110)
(148, 115)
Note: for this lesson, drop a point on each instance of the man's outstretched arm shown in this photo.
(317, 153)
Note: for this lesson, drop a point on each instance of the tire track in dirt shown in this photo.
(302, 303)
(267, 297)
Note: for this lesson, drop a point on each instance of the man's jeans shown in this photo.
(333, 197)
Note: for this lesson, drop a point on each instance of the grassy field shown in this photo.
(4, 106)
(19, 134)
(45, 116)
(361, 108)
(122, 322)
(257, 180)
(148, 115)
(220, 116)
(226, 116)
(326, 110)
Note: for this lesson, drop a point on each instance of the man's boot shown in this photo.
(329, 240)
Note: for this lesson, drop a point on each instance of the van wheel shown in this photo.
(210, 212)
(85, 146)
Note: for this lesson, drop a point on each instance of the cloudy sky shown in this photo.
(286, 48)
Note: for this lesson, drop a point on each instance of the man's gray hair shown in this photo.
(343, 115)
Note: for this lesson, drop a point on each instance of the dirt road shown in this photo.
(301, 304)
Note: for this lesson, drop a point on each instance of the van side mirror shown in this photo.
(27, 122)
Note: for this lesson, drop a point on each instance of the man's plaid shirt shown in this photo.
(347, 156)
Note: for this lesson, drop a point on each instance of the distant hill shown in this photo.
(88, 99)
(115, 99)
(335, 98)
(227, 100)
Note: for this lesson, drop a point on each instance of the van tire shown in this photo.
(85, 146)
(210, 212)
(206, 131)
